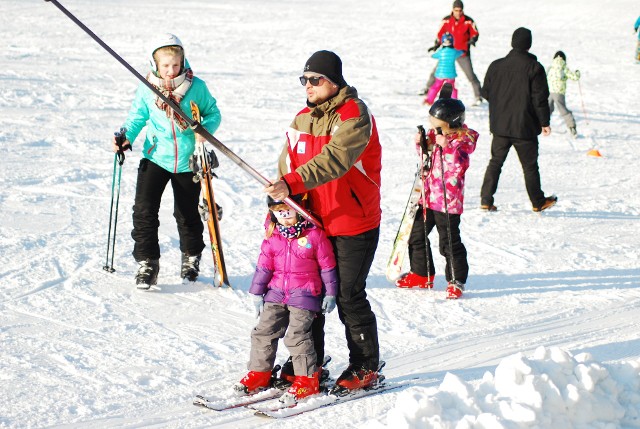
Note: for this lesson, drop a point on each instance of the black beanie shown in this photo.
(328, 64)
(456, 4)
(521, 39)
(561, 55)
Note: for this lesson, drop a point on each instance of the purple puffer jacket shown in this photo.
(293, 271)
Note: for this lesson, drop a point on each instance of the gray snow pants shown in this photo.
(294, 324)
(465, 64)
(567, 115)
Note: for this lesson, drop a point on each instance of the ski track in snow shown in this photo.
(80, 347)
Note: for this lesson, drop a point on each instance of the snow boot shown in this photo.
(147, 274)
(302, 387)
(287, 376)
(357, 377)
(411, 279)
(253, 381)
(548, 202)
(574, 132)
(190, 267)
(454, 290)
(488, 208)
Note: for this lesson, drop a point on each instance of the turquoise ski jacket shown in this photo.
(165, 144)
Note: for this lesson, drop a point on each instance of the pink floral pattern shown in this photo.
(455, 160)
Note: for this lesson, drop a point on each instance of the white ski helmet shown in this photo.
(166, 39)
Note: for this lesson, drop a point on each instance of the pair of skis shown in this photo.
(266, 403)
(401, 242)
(209, 210)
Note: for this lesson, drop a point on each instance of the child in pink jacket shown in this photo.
(295, 278)
(450, 143)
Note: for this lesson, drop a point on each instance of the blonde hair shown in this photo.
(269, 232)
(172, 50)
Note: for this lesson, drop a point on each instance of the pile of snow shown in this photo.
(553, 389)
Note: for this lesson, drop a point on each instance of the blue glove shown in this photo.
(258, 303)
(328, 304)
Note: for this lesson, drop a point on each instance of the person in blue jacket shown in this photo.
(168, 146)
(445, 70)
(636, 26)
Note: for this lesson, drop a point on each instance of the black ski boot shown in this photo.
(190, 267)
(147, 275)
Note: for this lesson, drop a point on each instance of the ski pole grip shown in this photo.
(121, 137)
(423, 139)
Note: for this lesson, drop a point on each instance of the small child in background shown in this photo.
(295, 278)
(446, 69)
(557, 76)
(450, 143)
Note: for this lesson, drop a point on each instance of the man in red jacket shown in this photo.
(465, 34)
(333, 153)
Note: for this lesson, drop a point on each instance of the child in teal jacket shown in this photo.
(169, 144)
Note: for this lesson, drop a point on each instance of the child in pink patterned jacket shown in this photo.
(295, 278)
(450, 143)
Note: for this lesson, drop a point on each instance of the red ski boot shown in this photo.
(302, 387)
(254, 381)
(411, 279)
(357, 377)
(454, 290)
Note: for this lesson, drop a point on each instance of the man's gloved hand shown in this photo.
(473, 40)
(578, 74)
(258, 303)
(436, 45)
(328, 304)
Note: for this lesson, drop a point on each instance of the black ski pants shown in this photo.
(152, 180)
(354, 257)
(419, 251)
(527, 151)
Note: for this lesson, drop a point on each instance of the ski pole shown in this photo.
(195, 125)
(118, 158)
(424, 149)
(582, 101)
(446, 210)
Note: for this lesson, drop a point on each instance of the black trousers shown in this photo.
(419, 251)
(354, 256)
(152, 181)
(527, 151)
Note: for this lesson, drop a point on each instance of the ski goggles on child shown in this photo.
(313, 80)
(284, 213)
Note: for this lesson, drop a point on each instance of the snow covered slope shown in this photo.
(552, 298)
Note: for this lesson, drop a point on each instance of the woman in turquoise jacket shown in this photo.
(169, 144)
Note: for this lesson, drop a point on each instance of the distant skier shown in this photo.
(449, 158)
(465, 34)
(557, 76)
(446, 68)
(167, 149)
(636, 27)
(295, 279)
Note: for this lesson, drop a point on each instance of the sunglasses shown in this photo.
(313, 80)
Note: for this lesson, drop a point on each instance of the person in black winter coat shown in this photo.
(517, 91)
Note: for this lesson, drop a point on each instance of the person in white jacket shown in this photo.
(557, 76)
